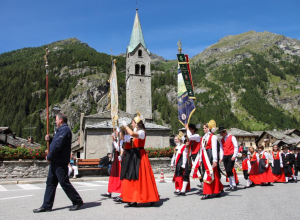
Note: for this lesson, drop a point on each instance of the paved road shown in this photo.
(280, 201)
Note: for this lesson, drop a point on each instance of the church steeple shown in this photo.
(136, 34)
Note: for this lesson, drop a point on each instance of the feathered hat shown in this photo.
(212, 125)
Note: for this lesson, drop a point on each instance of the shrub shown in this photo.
(159, 152)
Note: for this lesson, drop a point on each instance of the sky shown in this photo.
(106, 24)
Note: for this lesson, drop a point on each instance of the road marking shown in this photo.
(16, 197)
(2, 188)
(85, 190)
(28, 186)
(106, 182)
(85, 184)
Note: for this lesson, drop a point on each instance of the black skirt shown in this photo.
(131, 164)
(262, 165)
(179, 169)
(276, 169)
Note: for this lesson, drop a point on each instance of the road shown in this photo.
(280, 201)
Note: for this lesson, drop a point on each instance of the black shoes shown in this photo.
(132, 204)
(205, 197)
(76, 207)
(199, 186)
(181, 194)
(118, 199)
(42, 209)
(152, 203)
(106, 195)
(176, 192)
(233, 188)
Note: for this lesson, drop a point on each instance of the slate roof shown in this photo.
(5, 130)
(17, 141)
(240, 133)
(108, 124)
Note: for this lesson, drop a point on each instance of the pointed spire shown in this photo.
(136, 34)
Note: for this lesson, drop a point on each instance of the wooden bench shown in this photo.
(89, 162)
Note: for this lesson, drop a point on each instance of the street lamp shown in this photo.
(55, 112)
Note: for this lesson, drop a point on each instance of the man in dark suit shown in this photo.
(59, 157)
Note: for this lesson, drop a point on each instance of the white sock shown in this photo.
(177, 190)
(286, 179)
(248, 182)
(233, 181)
(184, 185)
(294, 177)
(202, 184)
(230, 181)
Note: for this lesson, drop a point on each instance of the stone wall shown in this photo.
(23, 169)
(39, 169)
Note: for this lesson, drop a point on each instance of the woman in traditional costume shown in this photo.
(139, 184)
(265, 172)
(254, 173)
(179, 161)
(277, 166)
(209, 160)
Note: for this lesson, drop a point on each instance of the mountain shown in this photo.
(249, 81)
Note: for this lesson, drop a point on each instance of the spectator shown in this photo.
(72, 166)
(105, 162)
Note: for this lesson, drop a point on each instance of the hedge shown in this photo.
(160, 152)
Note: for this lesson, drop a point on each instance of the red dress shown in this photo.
(254, 175)
(143, 189)
(265, 173)
(216, 186)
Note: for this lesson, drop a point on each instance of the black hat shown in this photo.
(244, 152)
(192, 126)
(296, 148)
(285, 146)
(222, 129)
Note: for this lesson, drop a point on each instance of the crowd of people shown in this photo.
(131, 175)
(201, 157)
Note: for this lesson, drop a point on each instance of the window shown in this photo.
(140, 53)
(137, 69)
(143, 70)
(78, 154)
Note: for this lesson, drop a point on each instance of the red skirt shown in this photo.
(215, 187)
(279, 178)
(267, 176)
(144, 189)
(235, 176)
(115, 183)
(255, 179)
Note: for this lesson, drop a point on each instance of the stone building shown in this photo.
(248, 138)
(95, 130)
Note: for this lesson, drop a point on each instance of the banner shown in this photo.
(183, 61)
(186, 106)
(114, 103)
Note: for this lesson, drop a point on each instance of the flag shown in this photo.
(186, 106)
(114, 103)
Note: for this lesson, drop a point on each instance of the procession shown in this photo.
(195, 115)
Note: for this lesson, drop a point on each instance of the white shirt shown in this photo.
(141, 134)
(116, 145)
(127, 138)
(179, 146)
(193, 137)
(235, 144)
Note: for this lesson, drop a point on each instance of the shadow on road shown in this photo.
(86, 205)
(155, 205)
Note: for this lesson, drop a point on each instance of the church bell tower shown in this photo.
(138, 74)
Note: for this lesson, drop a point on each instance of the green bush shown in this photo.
(9, 153)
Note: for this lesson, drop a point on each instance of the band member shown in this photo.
(229, 152)
(209, 162)
(193, 147)
(114, 183)
(246, 166)
(277, 166)
(179, 161)
(265, 173)
(288, 161)
(139, 184)
(297, 161)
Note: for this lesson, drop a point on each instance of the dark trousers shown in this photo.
(58, 173)
(296, 171)
(228, 164)
(188, 168)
